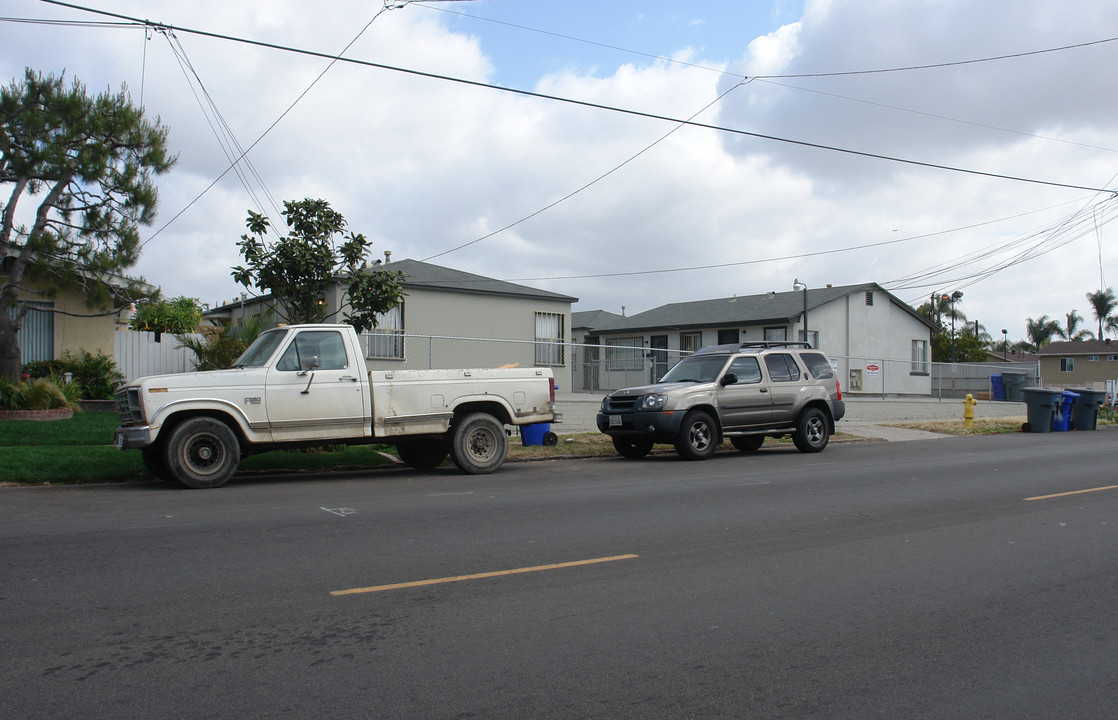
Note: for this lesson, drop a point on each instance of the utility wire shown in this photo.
(593, 105)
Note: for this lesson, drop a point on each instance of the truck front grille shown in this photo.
(128, 407)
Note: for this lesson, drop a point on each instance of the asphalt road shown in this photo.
(927, 579)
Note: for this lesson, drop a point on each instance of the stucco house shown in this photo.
(1078, 363)
(450, 318)
(876, 342)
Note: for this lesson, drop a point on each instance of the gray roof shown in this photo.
(773, 307)
(436, 277)
(1080, 347)
(590, 319)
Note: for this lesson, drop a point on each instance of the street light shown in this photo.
(797, 285)
(952, 297)
(1005, 345)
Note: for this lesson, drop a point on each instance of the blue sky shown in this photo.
(626, 211)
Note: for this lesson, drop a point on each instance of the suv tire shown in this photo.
(812, 431)
(632, 449)
(698, 436)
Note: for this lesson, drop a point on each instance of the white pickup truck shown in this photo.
(306, 385)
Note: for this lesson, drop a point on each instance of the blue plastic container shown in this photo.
(997, 387)
(533, 434)
(1061, 421)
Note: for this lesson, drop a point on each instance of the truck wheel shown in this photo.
(156, 463)
(697, 436)
(632, 449)
(202, 453)
(812, 431)
(478, 444)
(748, 443)
(422, 454)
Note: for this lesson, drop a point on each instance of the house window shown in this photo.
(624, 353)
(812, 337)
(1067, 364)
(727, 337)
(869, 297)
(690, 342)
(550, 339)
(919, 357)
(776, 334)
(36, 334)
(1092, 358)
(1112, 358)
(386, 340)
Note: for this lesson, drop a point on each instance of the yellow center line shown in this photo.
(478, 576)
(1073, 492)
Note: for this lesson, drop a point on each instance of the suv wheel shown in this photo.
(632, 449)
(697, 436)
(812, 431)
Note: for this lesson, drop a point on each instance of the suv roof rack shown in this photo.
(752, 345)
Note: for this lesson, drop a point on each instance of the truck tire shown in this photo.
(747, 443)
(698, 436)
(812, 431)
(425, 454)
(478, 444)
(632, 449)
(202, 453)
(156, 463)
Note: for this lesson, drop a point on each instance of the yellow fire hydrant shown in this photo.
(968, 411)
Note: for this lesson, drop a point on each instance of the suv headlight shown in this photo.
(653, 402)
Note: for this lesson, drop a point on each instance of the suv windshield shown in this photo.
(260, 350)
(696, 369)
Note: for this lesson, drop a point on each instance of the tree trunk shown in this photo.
(9, 347)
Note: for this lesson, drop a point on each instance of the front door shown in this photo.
(318, 403)
(658, 352)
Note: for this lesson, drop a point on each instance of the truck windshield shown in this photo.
(260, 351)
(696, 369)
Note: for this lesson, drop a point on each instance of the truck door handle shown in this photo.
(343, 378)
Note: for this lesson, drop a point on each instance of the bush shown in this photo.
(93, 375)
(220, 346)
(42, 394)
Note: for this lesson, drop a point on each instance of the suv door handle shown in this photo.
(764, 390)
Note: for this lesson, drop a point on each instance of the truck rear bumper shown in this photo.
(127, 438)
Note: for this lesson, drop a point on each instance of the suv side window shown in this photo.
(818, 365)
(782, 368)
(747, 369)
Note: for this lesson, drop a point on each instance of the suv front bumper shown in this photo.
(658, 426)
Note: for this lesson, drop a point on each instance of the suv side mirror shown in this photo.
(728, 379)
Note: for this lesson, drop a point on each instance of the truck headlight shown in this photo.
(653, 402)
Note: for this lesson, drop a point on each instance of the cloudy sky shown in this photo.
(926, 145)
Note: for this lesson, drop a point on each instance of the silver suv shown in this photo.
(742, 392)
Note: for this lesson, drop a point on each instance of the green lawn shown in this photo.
(80, 450)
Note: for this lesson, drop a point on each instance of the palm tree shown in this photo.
(1102, 303)
(1072, 331)
(1041, 330)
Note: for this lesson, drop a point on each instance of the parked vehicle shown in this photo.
(743, 392)
(307, 385)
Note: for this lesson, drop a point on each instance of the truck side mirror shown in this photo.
(728, 379)
(309, 362)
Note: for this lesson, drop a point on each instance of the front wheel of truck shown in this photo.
(478, 444)
(202, 453)
(422, 454)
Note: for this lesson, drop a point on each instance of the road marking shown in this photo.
(341, 512)
(1073, 492)
(478, 576)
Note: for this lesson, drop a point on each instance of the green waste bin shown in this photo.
(1014, 385)
(1085, 412)
(1041, 407)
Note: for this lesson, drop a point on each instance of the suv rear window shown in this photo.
(782, 368)
(818, 365)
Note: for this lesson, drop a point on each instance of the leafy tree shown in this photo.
(90, 164)
(179, 315)
(299, 268)
(1103, 303)
(1041, 330)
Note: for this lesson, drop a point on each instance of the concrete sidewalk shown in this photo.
(865, 416)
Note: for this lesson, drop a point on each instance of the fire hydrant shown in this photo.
(968, 411)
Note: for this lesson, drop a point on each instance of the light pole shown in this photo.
(1005, 345)
(953, 297)
(797, 285)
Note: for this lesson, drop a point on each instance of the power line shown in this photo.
(593, 105)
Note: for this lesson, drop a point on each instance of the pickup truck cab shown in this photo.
(306, 385)
(743, 392)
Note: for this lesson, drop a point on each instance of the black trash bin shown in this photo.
(1085, 412)
(1041, 406)
(1014, 384)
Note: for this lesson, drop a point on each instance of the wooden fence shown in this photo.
(138, 354)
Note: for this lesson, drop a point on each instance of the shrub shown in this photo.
(93, 375)
(41, 394)
(220, 346)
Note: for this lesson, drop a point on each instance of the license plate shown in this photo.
(119, 439)
(615, 421)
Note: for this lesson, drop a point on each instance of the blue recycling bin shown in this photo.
(535, 434)
(1061, 421)
(1040, 404)
(1085, 412)
(997, 387)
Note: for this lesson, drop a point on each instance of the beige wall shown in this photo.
(73, 334)
(1084, 371)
